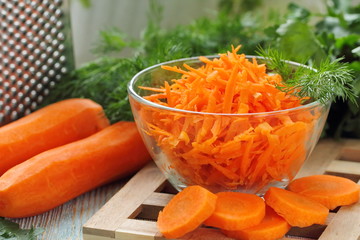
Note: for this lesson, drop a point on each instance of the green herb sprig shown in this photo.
(11, 230)
(327, 82)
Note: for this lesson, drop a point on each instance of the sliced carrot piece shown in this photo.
(297, 210)
(186, 211)
(331, 191)
(236, 211)
(272, 227)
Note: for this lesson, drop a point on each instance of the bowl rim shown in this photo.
(137, 97)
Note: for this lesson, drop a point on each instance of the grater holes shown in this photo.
(6, 73)
(22, 17)
(32, 58)
(34, 16)
(29, 64)
(28, 11)
(45, 80)
(6, 86)
(7, 109)
(59, 25)
(7, 98)
(61, 36)
(41, 21)
(20, 95)
(51, 7)
(33, 106)
(21, 108)
(32, 69)
(10, 19)
(17, 49)
(58, 2)
(26, 77)
(24, 64)
(19, 84)
(47, 15)
(47, 26)
(14, 116)
(19, 72)
(12, 79)
(39, 99)
(58, 13)
(46, 92)
(38, 75)
(53, 19)
(40, 9)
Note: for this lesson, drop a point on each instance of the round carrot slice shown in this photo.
(297, 210)
(186, 211)
(236, 211)
(270, 228)
(330, 191)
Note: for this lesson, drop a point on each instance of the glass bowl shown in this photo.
(247, 156)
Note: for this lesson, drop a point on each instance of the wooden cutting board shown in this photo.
(131, 213)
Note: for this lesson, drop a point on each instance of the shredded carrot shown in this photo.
(272, 227)
(296, 209)
(331, 191)
(186, 211)
(236, 211)
(243, 152)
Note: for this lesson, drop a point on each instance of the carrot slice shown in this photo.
(186, 211)
(297, 210)
(271, 227)
(331, 191)
(236, 211)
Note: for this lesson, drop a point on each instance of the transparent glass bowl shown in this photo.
(249, 158)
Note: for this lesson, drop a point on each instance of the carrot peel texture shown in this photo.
(49, 127)
(55, 176)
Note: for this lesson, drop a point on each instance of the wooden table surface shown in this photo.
(65, 222)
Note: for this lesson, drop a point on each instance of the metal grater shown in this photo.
(35, 53)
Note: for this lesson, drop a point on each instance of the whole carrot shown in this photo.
(60, 174)
(52, 126)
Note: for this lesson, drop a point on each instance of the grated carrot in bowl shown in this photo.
(226, 125)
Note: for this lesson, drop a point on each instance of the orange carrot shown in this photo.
(330, 191)
(52, 126)
(186, 211)
(236, 211)
(272, 227)
(296, 209)
(60, 174)
(232, 152)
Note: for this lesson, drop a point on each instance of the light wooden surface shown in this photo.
(135, 215)
(67, 221)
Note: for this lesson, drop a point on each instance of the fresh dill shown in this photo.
(327, 82)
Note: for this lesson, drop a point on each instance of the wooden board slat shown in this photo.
(131, 213)
(344, 225)
(124, 204)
